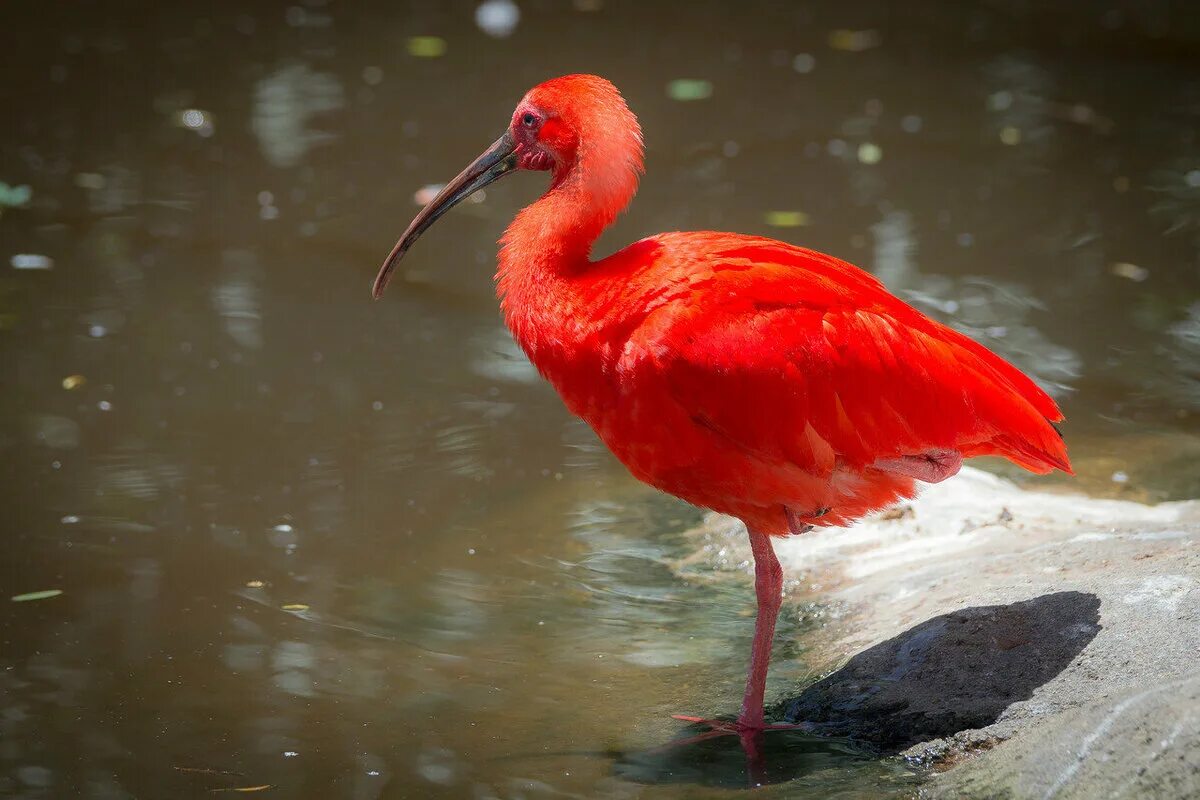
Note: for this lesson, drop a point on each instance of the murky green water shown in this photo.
(348, 549)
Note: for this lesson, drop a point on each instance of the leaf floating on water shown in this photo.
(786, 219)
(72, 382)
(1123, 269)
(45, 594)
(854, 41)
(426, 46)
(255, 584)
(295, 607)
(688, 89)
(243, 789)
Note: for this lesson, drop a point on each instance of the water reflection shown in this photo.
(359, 550)
(784, 757)
(990, 311)
(284, 103)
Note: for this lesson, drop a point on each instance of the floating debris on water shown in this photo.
(689, 89)
(854, 41)
(255, 584)
(283, 527)
(1010, 135)
(1123, 269)
(244, 789)
(786, 219)
(1120, 476)
(31, 261)
(69, 519)
(45, 594)
(426, 46)
(869, 153)
(1000, 101)
(15, 196)
(90, 180)
(294, 607)
(497, 18)
(73, 382)
(426, 193)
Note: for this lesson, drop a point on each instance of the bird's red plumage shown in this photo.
(749, 376)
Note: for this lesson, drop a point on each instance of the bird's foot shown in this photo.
(733, 727)
(749, 737)
(802, 522)
(748, 734)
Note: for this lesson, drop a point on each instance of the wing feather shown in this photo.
(796, 355)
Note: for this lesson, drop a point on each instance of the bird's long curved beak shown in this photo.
(495, 162)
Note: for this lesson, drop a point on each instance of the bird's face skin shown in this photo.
(542, 139)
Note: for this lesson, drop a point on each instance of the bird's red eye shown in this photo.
(529, 120)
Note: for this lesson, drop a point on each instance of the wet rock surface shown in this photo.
(1015, 643)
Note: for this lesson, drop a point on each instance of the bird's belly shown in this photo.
(663, 447)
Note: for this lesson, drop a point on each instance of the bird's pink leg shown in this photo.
(768, 587)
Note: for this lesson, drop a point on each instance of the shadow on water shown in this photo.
(955, 672)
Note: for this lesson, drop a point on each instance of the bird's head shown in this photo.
(578, 127)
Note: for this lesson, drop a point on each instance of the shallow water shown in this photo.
(348, 549)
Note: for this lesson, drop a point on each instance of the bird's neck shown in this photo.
(550, 242)
(555, 233)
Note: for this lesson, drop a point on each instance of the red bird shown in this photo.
(776, 384)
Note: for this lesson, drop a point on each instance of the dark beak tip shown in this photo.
(377, 287)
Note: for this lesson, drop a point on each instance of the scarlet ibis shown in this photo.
(779, 385)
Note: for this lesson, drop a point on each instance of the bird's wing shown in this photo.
(793, 354)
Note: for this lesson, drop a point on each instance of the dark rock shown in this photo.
(953, 672)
